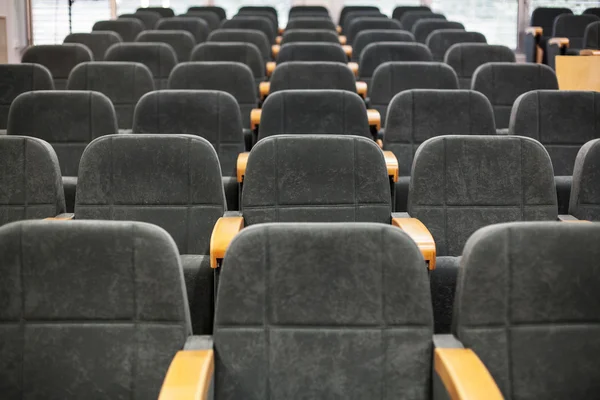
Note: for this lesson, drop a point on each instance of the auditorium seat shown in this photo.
(465, 58)
(502, 83)
(66, 119)
(310, 10)
(239, 52)
(351, 16)
(160, 58)
(593, 11)
(311, 23)
(349, 9)
(295, 75)
(249, 22)
(91, 309)
(462, 183)
(391, 78)
(527, 305)
(148, 18)
(540, 30)
(424, 27)
(311, 51)
(219, 11)
(410, 18)
(376, 54)
(401, 10)
(585, 193)
(366, 37)
(165, 12)
(212, 20)
(265, 15)
(196, 26)
(20, 78)
(562, 121)
(255, 37)
(568, 36)
(122, 82)
(30, 182)
(591, 38)
(417, 115)
(443, 39)
(181, 41)
(309, 35)
(97, 41)
(127, 28)
(173, 181)
(365, 23)
(60, 59)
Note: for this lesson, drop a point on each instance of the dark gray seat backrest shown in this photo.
(60, 59)
(253, 36)
(309, 35)
(89, 301)
(462, 183)
(573, 27)
(502, 83)
(219, 11)
(213, 115)
(544, 17)
(311, 23)
(122, 82)
(312, 75)
(401, 10)
(148, 18)
(181, 41)
(160, 58)
(392, 78)
(164, 12)
(465, 58)
(196, 26)
(233, 78)
(424, 27)
(378, 319)
(366, 37)
(442, 39)
(245, 53)
(417, 115)
(364, 23)
(307, 51)
(265, 15)
(127, 28)
(31, 181)
(410, 18)
(593, 11)
(314, 112)
(173, 181)
(66, 119)
(20, 78)
(316, 178)
(585, 191)
(376, 54)
(561, 120)
(527, 300)
(591, 38)
(356, 9)
(97, 41)
(251, 22)
(212, 20)
(351, 16)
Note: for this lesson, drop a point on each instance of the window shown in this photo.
(577, 7)
(385, 6)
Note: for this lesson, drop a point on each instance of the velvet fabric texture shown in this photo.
(257, 38)
(410, 18)
(401, 10)
(245, 53)
(219, 11)
(127, 28)
(376, 54)
(305, 51)
(60, 59)
(196, 26)
(164, 12)
(312, 75)
(310, 35)
(366, 37)
(465, 58)
(311, 23)
(442, 39)
(181, 41)
(424, 27)
(363, 23)
(251, 22)
(148, 18)
(585, 193)
(97, 41)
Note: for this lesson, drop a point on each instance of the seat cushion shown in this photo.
(443, 286)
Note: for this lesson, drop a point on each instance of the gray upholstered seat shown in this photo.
(572, 27)
(30, 181)
(591, 38)
(252, 22)
(173, 181)
(462, 183)
(122, 82)
(391, 78)
(311, 23)
(231, 77)
(164, 12)
(255, 37)
(376, 54)
(160, 58)
(312, 75)
(60, 59)
(585, 193)
(212, 20)
(196, 26)
(322, 112)
(346, 10)
(308, 10)
(267, 15)
(527, 303)
(181, 41)
(410, 18)
(309, 35)
(465, 58)
(424, 27)
(91, 309)
(127, 28)
(503, 82)
(219, 11)
(20, 78)
(442, 39)
(401, 10)
(307, 51)
(239, 52)
(366, 37)
(542, 17)
(352, 15)
(148, 18)
(300, 315)
(365, 23)
(97, 41)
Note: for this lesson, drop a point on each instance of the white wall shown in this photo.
(16, 27)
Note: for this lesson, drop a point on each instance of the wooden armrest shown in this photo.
(589, 52)
(535, 30)
(570, 219)
(361, 89)
(347, 50)
(189, 376)
(374, 119)
(61, 217)
(353, 67)
(242, 161)
(421, 235)
(464, 376)
(559, 41)
(223, 233)
(278, 39)
(271, 67)
(280, 31)
(275, 50)
(379, 143)
(255, 118)
(343, 40)
(391, 163)
(264, 88)
(338, 29)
